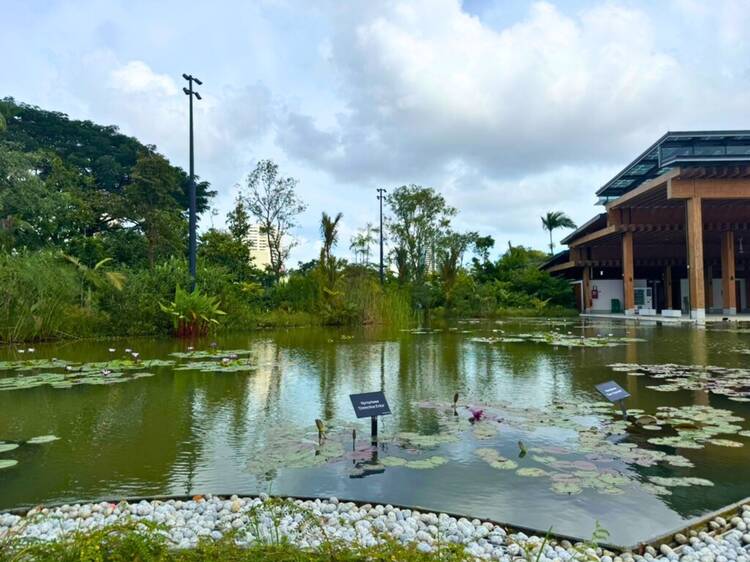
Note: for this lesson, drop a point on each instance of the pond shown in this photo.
(530, 442)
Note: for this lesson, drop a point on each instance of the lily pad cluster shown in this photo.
(601, 446)
(59, 373)
(558, 339)
(7, 446)
(63, 374)
(731, 382)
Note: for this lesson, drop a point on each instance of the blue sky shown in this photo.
(509, 108)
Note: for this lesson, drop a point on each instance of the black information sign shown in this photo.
(370, 404)
(612, 391)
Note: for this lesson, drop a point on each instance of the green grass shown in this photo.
(145, 543)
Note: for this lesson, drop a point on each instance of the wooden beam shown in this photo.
(645, 187)
(695, 258)
(627, 272)
(737, 188)
(561, 266)
(586, 288)
(607, 231)
(668, 286)
(728, 274)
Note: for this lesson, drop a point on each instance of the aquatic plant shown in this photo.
(193, 313)
(731, 382)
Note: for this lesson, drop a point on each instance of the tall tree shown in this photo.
(420, 216)
(554, 220)
(273, 201)
(451, 249)
(238, 220)
(329, 233)
(150, 202)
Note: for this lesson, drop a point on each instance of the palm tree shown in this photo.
(553, 220)
(358, 245)
(95, 277)
(329, 232)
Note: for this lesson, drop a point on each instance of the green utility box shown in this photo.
(616, 306)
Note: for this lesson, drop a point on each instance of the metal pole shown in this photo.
(374, 427)
(192, 250)
(380, 197)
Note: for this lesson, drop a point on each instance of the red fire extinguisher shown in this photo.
(594, 292)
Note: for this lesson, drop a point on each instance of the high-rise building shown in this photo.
(259, 250)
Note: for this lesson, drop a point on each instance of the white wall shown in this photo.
(608, 289)
(717, 293)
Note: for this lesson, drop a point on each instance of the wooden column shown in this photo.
(627, 273)
(586, 288)
(728, 274)
(709, 285)
(667, 287)
(695, 258)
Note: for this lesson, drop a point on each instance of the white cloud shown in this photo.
(136, 77)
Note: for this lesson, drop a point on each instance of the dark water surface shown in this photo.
(186, 432)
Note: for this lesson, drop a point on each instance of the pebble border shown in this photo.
(720, 539)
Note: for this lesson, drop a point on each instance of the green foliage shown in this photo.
(41, 299)
(272, 200)
(193, 313)
(420, 216)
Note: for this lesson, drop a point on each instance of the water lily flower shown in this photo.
(128, 350)
(190, 348)
(213, 345)
(31, 350)
(112, 350)
(225, 360)
(21, 351)
(106, 372)
(476, 415)
(233, 356)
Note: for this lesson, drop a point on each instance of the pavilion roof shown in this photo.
(679, 148)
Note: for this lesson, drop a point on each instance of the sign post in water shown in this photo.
(614, 393)
(370, 405)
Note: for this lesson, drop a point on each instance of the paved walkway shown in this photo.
(710, 318)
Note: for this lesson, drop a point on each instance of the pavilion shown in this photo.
(672, 238)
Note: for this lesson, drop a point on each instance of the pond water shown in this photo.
(541, 450)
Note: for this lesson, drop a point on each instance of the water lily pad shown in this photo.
(495, 459)
(42, 439)
(531, 472)
(5, 447)
(725, 443)
(7, 463)
(567, 488)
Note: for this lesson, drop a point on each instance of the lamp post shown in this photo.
(192, 243)
(381, 191)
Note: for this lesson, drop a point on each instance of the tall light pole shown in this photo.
(381, 191)
(192, 244)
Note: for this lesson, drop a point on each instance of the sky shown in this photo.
(508, 108)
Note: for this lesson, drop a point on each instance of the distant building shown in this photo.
(259, 250)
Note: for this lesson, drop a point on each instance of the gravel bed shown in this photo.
(310, 522)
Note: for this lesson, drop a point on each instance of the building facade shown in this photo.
(672, 237)
(258, 243)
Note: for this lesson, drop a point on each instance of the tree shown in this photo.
(273, 202)
(219, 247)
(329, 234)
(150, 202)
(420, 217)
(553, 220)
(238, 220)
(452, 247)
